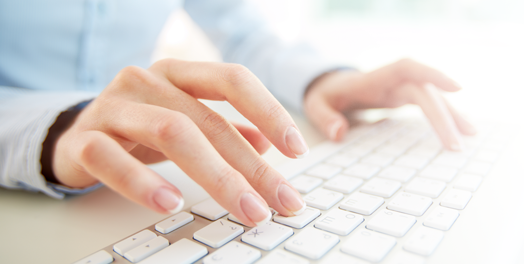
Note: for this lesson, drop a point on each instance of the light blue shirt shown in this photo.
(56, 53)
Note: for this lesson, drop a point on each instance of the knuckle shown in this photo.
(260, 173)
(88, 150)
(132, 77)
(274, 111)
(236, 74)
(171, 127)
(224, 178)
(217, 127)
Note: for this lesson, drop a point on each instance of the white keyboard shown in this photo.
(387, 194)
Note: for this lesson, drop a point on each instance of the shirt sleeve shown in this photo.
(25, 118)
(241, 35)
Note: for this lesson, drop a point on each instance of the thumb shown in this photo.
(330, 121)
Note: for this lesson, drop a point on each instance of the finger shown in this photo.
(241, 88)
(437, 112)
(330, 121)
(464, 126)
(178, 137)
(147, 155)
(103, 158)
(254, 137)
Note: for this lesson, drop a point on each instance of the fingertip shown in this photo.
(337, 130)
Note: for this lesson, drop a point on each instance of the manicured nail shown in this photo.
(168, 200)
(291, 200)
(335, 129)
(254, 209)
(296, 143)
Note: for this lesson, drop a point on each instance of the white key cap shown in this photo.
(363, 171)
(184, 251)
(298, 221)
(378, 159)
(412, 161)
(133, 241)
(267, 236)
(342, 160)
(456, 199)
(280, 256)
(343, 184)
(478, 167)
(339, 222)
(410, 204)
(441, 218)
(358, 150)
(324, 171)
(368, 245)
(452, 161)
(336, 256)
(403, 257)
(397, 173)
(209, 209)
(424, 241)
(391, 150)
(381, 187)
(147, 249)
(312, 243)
(174, 222)
(305, 184)
(323, 199)
(391, 223)
(218, 233)
(487, 156)
(468, 182)
(426, 187)
(424, 151)
(100, 257)
(233, 253)
(362, 203)
(439, 173)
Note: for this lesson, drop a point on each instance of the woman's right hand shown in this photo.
(146, 116)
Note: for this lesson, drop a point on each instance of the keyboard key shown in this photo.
(381, 187)
(323, 199)
(468, 182)
(362, 203)
(209, 209)
(378, 159)
(218, 233)
(359, 150)
(478, 167)
(147, 249)
(133, 241)
(233, 253)
(100, 257)
(298, 221)
(368, 245)
(391, 223)
(412, 161)
(174, 222)
(324, 171)
(391, 150)
(487, 156)
(312, 243)
(397, 173)
(343, 184)
(453, 161)
(424, 151)
(424, 241)
(434, 172)
(456, 199)
(403, 257)
(426, 187)
(410, 204)
(339, 222)
(342, 258)
(363, 171)
(441, 218)
(342, 160)
(184, 251)
(280, 256)
(305, 184)
(267, 236)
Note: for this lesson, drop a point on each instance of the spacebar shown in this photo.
(181, 252)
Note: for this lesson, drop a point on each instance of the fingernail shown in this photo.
(254, 209)
(296, 143)
(335, 129)
(168, 200)
(291, 200)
